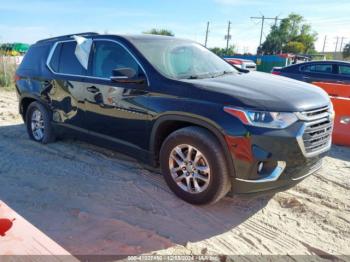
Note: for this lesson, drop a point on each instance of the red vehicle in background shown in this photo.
(242, 63)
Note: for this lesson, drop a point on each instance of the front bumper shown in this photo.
(282, 154)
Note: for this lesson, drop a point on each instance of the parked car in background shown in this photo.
(172, 103)
(242, 63)
(334, 78)
(337, 72)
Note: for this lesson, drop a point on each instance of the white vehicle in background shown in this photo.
(242, 63)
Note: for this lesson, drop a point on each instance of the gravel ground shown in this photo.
(95, 201)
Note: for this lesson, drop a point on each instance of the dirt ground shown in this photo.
(95, 201)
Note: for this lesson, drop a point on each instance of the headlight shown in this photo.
(277, 120)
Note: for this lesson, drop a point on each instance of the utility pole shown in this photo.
(341, 43)
(324, 43)
(336, 45)
(206, 35)
(263, 18)
(262, 29)
(228, 36)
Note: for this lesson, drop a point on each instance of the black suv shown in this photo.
(212, 128)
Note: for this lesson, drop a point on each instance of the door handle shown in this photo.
(93, 89)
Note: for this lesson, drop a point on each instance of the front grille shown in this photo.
(318, 130)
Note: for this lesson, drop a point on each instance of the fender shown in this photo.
(201, 121)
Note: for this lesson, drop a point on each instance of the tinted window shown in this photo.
(109, 56)
(68, 62)
(35, 59)
(54, 62)
(344, 70)
(318, 68)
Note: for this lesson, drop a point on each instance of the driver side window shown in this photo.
(108, 56)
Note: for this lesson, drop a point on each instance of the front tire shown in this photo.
(38, 122)
(194, 166)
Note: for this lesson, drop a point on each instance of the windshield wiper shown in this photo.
(208, 75)
(222, 73)
(195, 76)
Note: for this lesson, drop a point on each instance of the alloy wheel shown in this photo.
(37, 125)
(189, 168)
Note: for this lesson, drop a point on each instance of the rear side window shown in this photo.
(35, 58)
(64, 60)
(344, 70)
(318, 68)
(109, 56)
(55, 59)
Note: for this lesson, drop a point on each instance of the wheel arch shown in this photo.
(24, 104)
(25, 101)
(167, 124)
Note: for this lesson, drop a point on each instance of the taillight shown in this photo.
(276, 72)
(234, 62)
(240, 114)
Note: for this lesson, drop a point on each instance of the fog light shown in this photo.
(260, 167)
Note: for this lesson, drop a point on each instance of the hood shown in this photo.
(266, 91)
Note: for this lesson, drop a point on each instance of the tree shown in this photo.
(294, 47)
(155, 31)
(346, 51)
(292, 36)
(223, 52)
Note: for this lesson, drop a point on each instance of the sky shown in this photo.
(32, 20)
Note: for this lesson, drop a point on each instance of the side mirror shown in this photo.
(126, 75)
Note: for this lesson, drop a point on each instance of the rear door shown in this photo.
(66, 91)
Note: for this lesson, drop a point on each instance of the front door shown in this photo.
(115, 111)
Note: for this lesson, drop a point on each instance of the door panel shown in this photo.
(68, 102)
(66, 92)
(116, 110)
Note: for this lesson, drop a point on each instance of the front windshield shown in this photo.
(181, 59)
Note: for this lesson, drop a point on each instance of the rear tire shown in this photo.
(194, 166)
(38, 122)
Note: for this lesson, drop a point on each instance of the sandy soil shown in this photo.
(94, 201)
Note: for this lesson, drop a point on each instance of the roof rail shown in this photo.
(67, 36)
